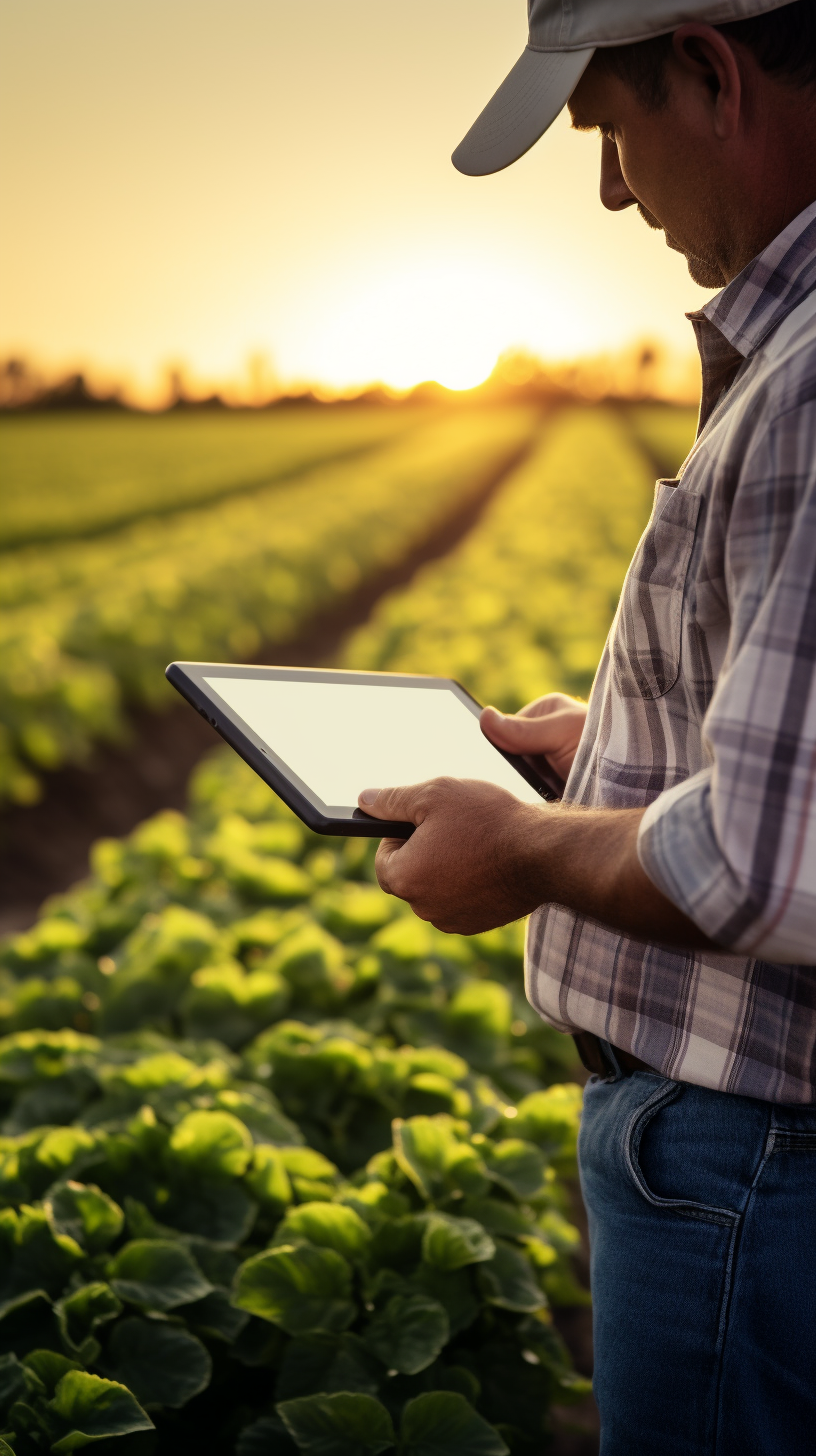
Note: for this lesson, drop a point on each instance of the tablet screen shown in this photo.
(339, 738)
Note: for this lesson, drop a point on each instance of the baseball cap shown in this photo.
(563, 36)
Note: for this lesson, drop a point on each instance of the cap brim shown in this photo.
(527, 102)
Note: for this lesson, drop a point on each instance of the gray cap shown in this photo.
(563, 35)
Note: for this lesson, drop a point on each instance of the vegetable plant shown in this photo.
(280, 1169)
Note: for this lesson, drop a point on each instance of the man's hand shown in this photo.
(546, 732)
(479, 857)
(464, 866)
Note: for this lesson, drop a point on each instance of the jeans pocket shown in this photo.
(666, 1094)
(647, 635)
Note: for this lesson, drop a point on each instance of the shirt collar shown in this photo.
(771, 285)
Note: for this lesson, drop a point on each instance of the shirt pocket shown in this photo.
(648, 633)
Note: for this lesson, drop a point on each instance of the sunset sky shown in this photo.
(198, 181)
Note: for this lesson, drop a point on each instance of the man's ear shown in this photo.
(706, 57)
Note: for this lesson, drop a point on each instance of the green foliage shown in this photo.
(664, 432)
(89, 624)
(437, 1423)
(162, 1364)
(339, 1425)
(525, 603)
(283, 1224)
(70, 476)
(386, 1285)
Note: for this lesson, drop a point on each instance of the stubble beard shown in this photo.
(702, 270)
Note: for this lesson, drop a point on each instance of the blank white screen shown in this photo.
(340, 738)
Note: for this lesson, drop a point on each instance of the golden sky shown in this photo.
(201, 180)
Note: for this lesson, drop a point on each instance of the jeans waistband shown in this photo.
(604, 1060)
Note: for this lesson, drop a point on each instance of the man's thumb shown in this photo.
(395, 804)
(517, 735)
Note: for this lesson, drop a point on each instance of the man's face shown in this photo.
(660, 161)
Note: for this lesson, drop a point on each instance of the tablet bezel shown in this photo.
(189, 679)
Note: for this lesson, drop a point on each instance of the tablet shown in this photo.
(318, 737)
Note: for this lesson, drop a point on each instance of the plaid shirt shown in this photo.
(704, 709)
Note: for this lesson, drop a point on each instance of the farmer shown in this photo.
(673, 892)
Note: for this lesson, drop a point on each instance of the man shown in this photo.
(674, 890)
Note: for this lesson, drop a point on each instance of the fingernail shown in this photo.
(368, 796)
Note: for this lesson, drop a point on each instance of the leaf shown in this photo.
(397, 1243)
(259, 1111)
(509, 1282)
(214, 1143)
(304, 1290)
(442, 1423)
(221, 1212)
(49, 1367)
(454, 1291)
(162, 1364)
(266, 1437)
(354, 912)
(268, 1180)
(551, 1119)
(157, 1274)
(13, 1382)
(94, 1409)
(80, 1313)
(215, 1316)
(323, 1364)
(329, 1225)
(306, 1163)
(501, 1219)
(451, 1243)
(436, 1160)
(519, 1167)
(86, 1214)
(314, 964)
(409, 1333)
(478, 1019)
(344, 1424)
(38, 1257)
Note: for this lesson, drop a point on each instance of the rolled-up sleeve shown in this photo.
(734, 846)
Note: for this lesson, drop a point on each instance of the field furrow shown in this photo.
(90, 625)
(524, 605)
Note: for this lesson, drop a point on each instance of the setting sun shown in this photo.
(441, 318)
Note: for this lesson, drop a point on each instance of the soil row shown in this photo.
(44, 847)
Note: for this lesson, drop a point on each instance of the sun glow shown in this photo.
(434, 318)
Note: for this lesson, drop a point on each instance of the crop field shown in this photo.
(523, 607)
(282, 1168)
(90, 621)
(73, 475)
(280, 1163)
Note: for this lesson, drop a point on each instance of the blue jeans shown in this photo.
(702, 1225)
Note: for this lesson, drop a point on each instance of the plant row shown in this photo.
(278, 1168)
(71, 475)
(524, 605)
(89, 625)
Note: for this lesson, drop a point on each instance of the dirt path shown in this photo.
(44, 848)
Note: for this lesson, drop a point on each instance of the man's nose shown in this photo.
(614, 192)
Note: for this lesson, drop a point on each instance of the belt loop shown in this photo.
(611, 1056)
(593, 1054)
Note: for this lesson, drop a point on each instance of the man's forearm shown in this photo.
(479, 858)
(587, 860)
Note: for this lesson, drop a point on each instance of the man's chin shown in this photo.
(707, 274)
(704, 273)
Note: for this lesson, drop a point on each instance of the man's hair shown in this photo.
(782, 41)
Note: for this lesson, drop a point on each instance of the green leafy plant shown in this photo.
(278, 1172)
